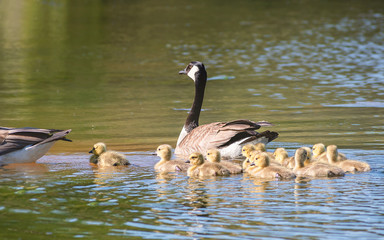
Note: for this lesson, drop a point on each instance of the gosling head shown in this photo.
(309, 154)
(318, 149)
(98, 148)
(260, 147)
(196, 159)
(300, 157)
(213, 155)
(247, 149)
(261, 160)
(332, 153)
(280, 154)
(195, 70)
(164, 152)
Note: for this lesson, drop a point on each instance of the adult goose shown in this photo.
(25, 145)
(227, 137)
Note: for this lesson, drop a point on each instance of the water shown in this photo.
(108, 70)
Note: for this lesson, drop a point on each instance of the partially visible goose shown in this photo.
(104, 158)
(166, 164)
(319, 153)
(347, 165)
(261, 168)
(227, 137)
(200, 168)
(213, 155)
(246, 152)
(25, 145)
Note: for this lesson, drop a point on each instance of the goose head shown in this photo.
(332, 153)
(318, 149)
(195, 70)
(213, 155)
(196, 159)
(309, 155)
(164, 151)
(247, 149)
(300, 157)
(98, 148)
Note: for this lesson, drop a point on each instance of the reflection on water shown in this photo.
(108, 70)
(65, 196)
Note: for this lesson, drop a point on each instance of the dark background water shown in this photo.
(109, 71)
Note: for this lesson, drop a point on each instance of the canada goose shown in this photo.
(315, 169)
(213, 155)
(104, 158)
(319, 153)
(200, 168)
(166, 164)
(281, 156)
(346, 165)
(227, 137)
(25, 145)
(261, 168)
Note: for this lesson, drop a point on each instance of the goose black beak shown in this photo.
(91, 150)
(183, 72)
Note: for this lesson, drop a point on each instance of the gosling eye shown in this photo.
(208, 153)
(248, 161)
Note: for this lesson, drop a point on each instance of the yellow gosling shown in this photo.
(246, 152)
(281, 156)
(347, 165)
(315, 169)
(262, 148)
(319, 153)
(166, 164)
(200, 168)
(214, 156)
(261, 168)
(104, 158)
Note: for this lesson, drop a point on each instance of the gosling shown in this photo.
(281, 156)
(200, 168)
(261, 168)
(214, 156)
(319, 153)
(166, 164)
(246, 152)
(104, 158)
(347, 165)
(315, 169)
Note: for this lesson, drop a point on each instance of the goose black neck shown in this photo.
(194, 114)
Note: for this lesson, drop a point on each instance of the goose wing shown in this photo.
(222, 134)
(12, 139)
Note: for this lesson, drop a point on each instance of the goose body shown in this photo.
(166, 164)
(214, 156)
(26, 145)
(227, 137)
(347, 165)
(104, 158)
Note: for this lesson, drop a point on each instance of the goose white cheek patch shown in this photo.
(192, 72)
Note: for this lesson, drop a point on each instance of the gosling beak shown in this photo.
(187, 161)
(154, 154)
(91, 150)
(252, 164)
